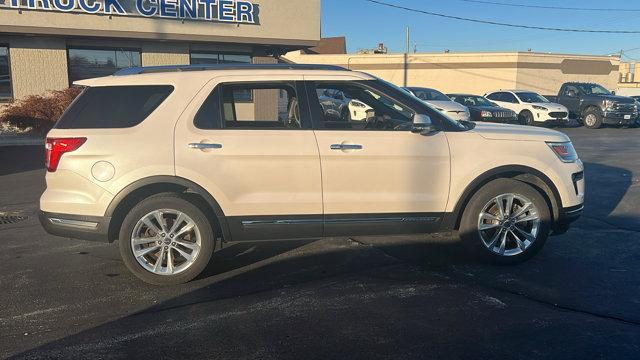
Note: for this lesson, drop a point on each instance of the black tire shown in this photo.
(526, 118)
(469, 225)
(174, 202)
(591, 119)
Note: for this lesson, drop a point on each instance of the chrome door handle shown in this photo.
(346, 147)
(204, 146)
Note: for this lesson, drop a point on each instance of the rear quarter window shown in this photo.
(113, 107)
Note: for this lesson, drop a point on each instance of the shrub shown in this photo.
(39, 112)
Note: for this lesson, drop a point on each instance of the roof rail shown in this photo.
(178, 68)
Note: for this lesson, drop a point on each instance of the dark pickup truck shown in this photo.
(594, 105)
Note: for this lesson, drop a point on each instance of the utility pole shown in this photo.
(406, 57)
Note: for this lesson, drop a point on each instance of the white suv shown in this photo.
(531, 107)
(174, 162)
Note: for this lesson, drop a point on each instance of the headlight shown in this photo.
(486, 114)
(540, 108)
(610, 105)
(565, 151)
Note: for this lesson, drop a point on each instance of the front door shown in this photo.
(248, 143)
(377, 176)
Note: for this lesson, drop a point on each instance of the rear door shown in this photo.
(249, 142)
(377, 176)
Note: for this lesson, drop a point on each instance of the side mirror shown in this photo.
(613, 93)
(422, 125)
(571, 93)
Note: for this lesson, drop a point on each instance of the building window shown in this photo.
(5, 74)
(208, 58)
(86, 63)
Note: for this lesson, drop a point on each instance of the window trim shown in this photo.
(105, 48)
(220, 123)
(9, 98)
(312, 86)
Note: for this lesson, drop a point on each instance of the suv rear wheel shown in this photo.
(508, 221)
(166, 240)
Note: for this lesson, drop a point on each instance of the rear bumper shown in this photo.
(91, 228)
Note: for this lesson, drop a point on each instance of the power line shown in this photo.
(549, 7)
(488, 22)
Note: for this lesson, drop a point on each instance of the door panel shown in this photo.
(260, 177)
(377, 176)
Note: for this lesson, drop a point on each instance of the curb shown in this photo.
(17, 141)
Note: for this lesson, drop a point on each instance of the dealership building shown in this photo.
(477, 72)
(48, 44)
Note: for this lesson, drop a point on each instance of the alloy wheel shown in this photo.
(166, 242)
(590, 120)
(509, 224)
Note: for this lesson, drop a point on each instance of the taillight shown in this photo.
(55, 147)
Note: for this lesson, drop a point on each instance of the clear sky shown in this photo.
(366, 24)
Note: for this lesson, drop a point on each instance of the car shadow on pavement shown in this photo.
(16, 159)
(245, 273)
(611, 196)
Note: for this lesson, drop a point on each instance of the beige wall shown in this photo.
(282, 22)
(478, 73)
(37, 64)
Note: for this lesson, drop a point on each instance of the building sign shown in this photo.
(233, 11)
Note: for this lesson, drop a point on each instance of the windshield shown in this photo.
(429, 94)
(530, 97)
(471, 100)
(593, 89)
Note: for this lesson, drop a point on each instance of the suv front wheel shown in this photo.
(166, 240)
(508, 221)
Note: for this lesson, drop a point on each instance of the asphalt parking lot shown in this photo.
(360, 298)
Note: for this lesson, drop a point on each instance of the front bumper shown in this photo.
(91, 228)
(615, 118)
(566, 217)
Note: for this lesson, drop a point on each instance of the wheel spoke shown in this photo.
(500, 206)
(158, 266)
(485, 226)
(144, 240)
(147, 221)
(523, 210)
(494, 239)
(530, 217)
(176, 224)
(521, 245)
(169, 261)
(503, 242)
(185, 229)
(145, 251)
(527, 235)
(188, 245)
(507, 210)
(160, 219)
(488, 216)
(187, 257)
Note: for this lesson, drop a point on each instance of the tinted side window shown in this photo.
(113, 107)
(275, 105)
(360, 108)
(510, 98)
(495, 97)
